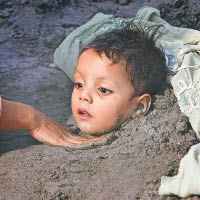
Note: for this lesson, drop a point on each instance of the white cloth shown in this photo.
(187, 181)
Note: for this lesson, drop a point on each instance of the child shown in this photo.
(113, 81)
(114, 78)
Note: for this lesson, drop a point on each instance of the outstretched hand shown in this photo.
(48, 131)
(19, 116)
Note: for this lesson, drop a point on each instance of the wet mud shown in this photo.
(132, 165)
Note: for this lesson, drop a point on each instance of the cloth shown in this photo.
(65, 56)
(187, 181)
(181, 47)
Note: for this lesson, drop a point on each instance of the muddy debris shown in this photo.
(131, 165)
(182, 13)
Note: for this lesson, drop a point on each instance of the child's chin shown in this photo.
(91, 131)
(94, 131)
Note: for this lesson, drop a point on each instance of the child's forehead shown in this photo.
(110, 72)
(91, 58)
(115, 80)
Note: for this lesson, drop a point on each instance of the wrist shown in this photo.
(17, 116)
(33, 119)
(25, 116)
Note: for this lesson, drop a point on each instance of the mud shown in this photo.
(128, 168)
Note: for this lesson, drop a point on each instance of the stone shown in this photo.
(54, 40)
(4, 14)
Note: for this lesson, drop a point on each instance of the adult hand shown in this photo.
(48, 131)
(19, 116)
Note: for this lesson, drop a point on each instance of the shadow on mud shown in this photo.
(10, 141)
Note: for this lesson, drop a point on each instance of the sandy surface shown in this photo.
(129, 168)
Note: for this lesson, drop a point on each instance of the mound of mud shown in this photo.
(128, 168)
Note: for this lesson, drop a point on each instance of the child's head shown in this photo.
(114, 78)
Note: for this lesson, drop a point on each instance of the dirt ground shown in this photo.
(130, 167)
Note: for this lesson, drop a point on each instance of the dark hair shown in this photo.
(145, 63)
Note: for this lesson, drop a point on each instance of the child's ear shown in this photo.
(143, 105)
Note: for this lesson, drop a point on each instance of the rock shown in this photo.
(2, 4)
(9, 10)
(9, 4)
(67, 2)
(54, 40)
(165, 140)
(179, 3)
(25, 2)
(123, 2)
(182, 13)
(198, 25)
(194, 7)
(4, 14)
(44, 6)
(3, 37)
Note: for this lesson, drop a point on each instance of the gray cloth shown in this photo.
(65, 56)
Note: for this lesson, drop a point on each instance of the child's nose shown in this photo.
(85, 96)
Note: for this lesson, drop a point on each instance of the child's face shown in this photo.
(102, 95)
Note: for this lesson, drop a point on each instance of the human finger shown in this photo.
(104, 140)
(78, 139)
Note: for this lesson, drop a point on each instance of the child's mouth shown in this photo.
(83, 114)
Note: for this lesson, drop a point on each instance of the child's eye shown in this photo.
(104, 90)
(78, 85)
